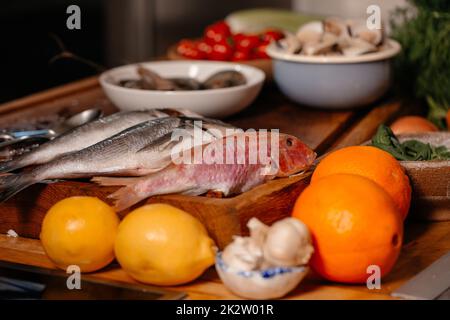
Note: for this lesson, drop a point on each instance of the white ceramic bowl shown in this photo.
(211, 103)
(333, 82)
(265, 284)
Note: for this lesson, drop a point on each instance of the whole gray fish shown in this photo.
(136, 151)
(87, 135)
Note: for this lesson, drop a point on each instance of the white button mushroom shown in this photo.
(288, 243)
(243, 254)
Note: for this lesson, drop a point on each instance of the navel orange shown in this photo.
(354, 224)
(374, 164)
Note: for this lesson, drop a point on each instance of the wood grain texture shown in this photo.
(49, 95)
(364, 129)
(423, 244)
(319, 129)
(222, 217)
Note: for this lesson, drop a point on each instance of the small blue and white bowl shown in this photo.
(270, 283)
(334, 82)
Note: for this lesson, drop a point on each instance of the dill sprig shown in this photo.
(423, 67)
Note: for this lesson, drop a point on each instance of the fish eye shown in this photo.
(289, 142)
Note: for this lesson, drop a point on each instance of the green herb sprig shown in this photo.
(423, 67)
(410, 150)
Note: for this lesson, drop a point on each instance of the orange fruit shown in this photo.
(412, 124)
(354, 224)
(374, 164)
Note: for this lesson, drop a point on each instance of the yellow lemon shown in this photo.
(163, 245)
(80, 231)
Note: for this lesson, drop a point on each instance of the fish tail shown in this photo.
(113, 181)
(162, 182)
(125, 197)
(14, 183)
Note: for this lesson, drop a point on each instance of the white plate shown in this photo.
(210, 103)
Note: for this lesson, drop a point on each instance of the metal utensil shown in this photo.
(431, 283)
(10, 138)
(30, 282)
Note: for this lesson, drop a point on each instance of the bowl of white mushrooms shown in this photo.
(334, 64)
(269, 263)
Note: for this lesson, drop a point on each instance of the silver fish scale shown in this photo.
(112, 155)
(81, 137)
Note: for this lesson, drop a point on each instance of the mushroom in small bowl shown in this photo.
(269, 263)
(334, 64)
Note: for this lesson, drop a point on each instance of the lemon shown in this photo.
(80, 231)
(163, 245)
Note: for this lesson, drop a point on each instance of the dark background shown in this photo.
(109, 35)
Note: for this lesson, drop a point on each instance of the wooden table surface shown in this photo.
(322, 130)
(424, 243)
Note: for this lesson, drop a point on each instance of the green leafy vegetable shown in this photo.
(423, 66)
(410, 150)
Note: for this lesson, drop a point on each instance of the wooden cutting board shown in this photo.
(321, 130)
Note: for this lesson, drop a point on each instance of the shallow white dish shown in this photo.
(211, 103)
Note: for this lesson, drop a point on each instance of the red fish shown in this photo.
(230, 165)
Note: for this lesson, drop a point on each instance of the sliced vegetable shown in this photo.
(219, 43)
(246, 43)
(217, 32)
(241, 56)
(188, 49)
(221, 52)
(260, 52)
(272, 35)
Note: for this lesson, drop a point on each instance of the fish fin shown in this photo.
(14, 183)
(114, 181)
(125, 197)
(178, 112)
(206, 120)
(162, 182)
(163, 142)
(194, 192)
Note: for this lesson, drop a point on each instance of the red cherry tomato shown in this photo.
(217, 32)
(260, 52)
(245, 42)
(271, 35)
(241, 56)
(204, 47)
(188, 49)
(221, 51)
